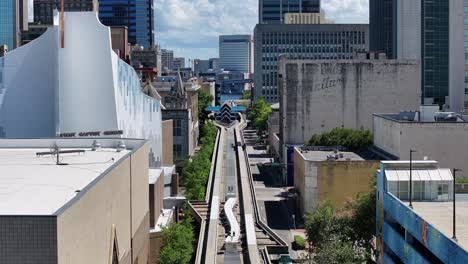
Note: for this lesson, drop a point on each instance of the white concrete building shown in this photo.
(58, 86)
(319, 95)
(445, 141)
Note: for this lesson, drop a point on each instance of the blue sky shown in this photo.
(191, 27)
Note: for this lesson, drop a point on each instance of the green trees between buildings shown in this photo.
(353, 140)
(196, 170)
(247, 95)
(259, 113)
(204, 100)
(343, 236)
(177, 247)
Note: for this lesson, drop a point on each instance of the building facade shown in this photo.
(465, 45)
(319, 95)
(82, 210)
(444, 141)
(423, 232)
(200, 66)
(14, 19)
(235, 52)
(323, 174)
(215, 64)
(44, 9)
(381, 27)
(167, 57)
(324, 41)
(178, 63)
(180, 99)
(429, 31)
(273, 11)
(136, 15)
(146, 58)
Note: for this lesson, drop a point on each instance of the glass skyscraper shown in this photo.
(381, 26)
(136, 15)
(235, 53)
(7, 23)
(429, 31)
(435, 50)
(272, 11)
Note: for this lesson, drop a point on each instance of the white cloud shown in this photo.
(347, 11)
(192, 27)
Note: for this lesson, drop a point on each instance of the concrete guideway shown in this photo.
(230, 235)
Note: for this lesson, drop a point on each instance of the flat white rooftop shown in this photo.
(440, 215)
(35, 185)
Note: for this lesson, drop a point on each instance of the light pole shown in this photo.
(411, 178)
(454, 213)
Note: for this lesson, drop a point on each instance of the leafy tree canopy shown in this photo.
(177, 245)
(354, 140)
(259, 113)
(345, 236)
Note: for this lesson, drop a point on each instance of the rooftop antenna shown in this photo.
(56, 151)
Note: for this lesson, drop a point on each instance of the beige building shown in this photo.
(180, 99)
(324, 174)
(445, 141)
(306, 18)
(89, 205)
(319, 95)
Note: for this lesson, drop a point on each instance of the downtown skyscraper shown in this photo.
(431, 32)
(235, 53)
(273, 11)
(13, 19)
(136, 15)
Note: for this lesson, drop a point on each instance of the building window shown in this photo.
(442, 192)
(177, 128)
(177, 151)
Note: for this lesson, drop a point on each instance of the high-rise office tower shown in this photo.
(167, 57)
(178, 63)
(235, 53)
(273, 11)
(381, 27)
(44, 9)
(429, 31)
(301, 41)
(13, 19)
(136, 15)
(43, 15)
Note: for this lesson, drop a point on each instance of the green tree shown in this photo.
(259, 113)
(204, 100)
(196, 170)
(177, 247)
(345, 236)
(354, 140)
(247, 95)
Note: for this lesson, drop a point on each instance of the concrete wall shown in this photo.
(408, 31)
(445, 142)
(305, 182)
(456, 61)
(337, 181)
(341, 181)
(84, 228)
(317, 96)
(168, 141)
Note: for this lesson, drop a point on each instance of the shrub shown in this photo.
(354, 140)
(299, 242)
